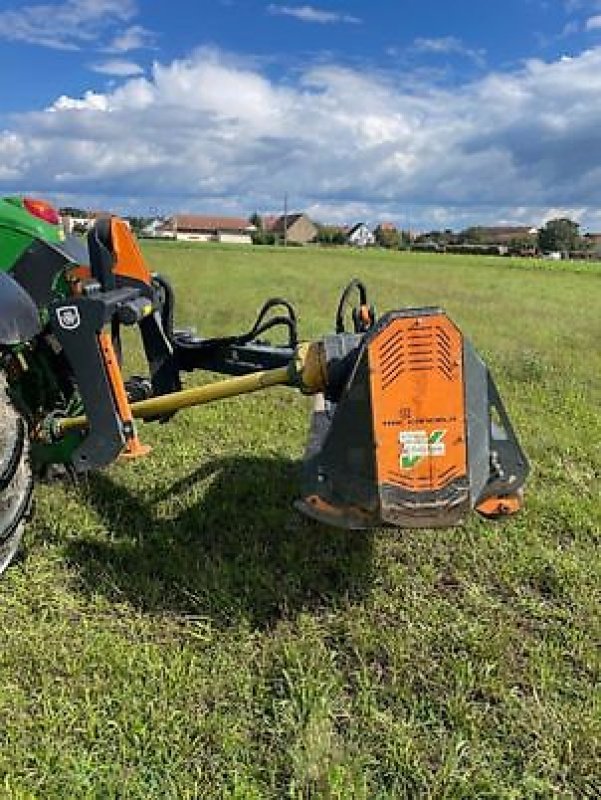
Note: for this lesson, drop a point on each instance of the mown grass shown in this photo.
(175, 630)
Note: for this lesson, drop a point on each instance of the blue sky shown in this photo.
(425, 112)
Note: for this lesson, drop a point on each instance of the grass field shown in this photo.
(175, 630)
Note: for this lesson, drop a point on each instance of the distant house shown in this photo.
(73, 224)
(360, 235)
(506, 234)
(81, 221)
(156, 230)
(593, 240)
(268, 221)
(200, 228)
(387, 235)
(385, 227)
(296, 228)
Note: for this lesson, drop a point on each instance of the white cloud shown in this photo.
(64, 26)
(118, 68)
(136, 37)
(449, 45)
(593, 23)
(311, 14)
(91, 101)
(209, 132)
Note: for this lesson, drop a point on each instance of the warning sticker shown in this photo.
(417, 445)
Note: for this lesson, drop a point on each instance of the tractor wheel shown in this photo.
(16, 481)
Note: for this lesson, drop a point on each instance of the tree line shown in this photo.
(557, 235)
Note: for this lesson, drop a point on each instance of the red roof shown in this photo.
(199, 222)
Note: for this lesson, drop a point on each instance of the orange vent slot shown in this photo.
(416, 369)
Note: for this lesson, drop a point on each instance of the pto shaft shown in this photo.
(169, 403)
(157, 406)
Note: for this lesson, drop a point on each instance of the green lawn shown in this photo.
(175, 630)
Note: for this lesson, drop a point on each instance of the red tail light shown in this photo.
(42, 210)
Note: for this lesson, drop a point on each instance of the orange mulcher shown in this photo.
(413, 433)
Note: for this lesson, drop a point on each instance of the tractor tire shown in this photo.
(16, 480)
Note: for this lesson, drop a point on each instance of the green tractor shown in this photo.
(408, 429)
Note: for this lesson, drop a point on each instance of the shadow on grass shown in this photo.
(237, 551)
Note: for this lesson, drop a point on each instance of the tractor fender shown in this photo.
(19, 319)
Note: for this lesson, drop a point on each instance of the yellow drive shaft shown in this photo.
(169, 403)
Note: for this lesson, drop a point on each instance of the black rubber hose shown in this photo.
(354, 286)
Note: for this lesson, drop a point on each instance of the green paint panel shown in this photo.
(18, 228)
(59, 452)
